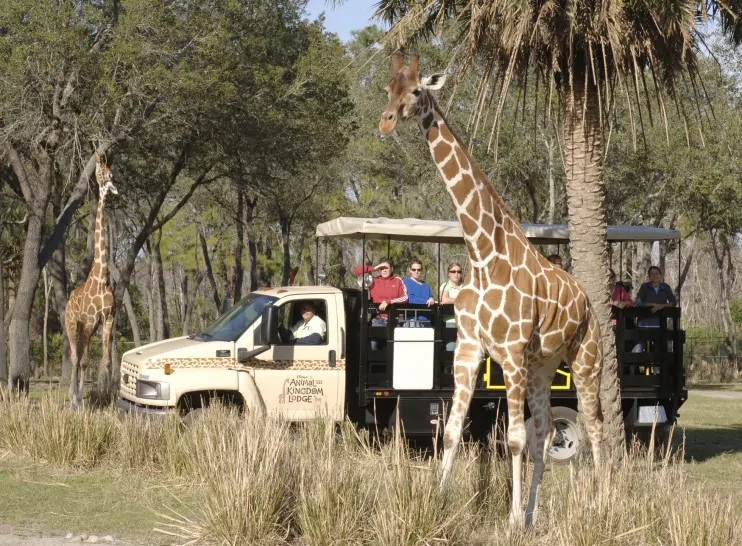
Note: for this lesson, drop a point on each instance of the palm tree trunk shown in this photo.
(583, 150)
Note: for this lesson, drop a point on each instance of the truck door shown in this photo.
(301, 381)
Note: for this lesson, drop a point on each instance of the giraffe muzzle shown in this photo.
(388, 122)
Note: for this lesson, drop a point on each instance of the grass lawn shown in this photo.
(126, 503)
(713, 441)
(104, 501)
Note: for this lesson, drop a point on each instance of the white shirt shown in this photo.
(315, 326)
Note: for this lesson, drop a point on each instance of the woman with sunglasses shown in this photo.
(451, 288)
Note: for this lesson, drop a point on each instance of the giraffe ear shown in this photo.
(433, 82)
(415, 66)
(397, 63)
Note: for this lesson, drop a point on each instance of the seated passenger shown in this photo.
(387, 288)
(419, 293)
(448, 292)
(656, 295)
(556, 260)
(310, 330)
(450, 289)
(619, 296)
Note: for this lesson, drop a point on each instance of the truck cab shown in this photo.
(235, 360)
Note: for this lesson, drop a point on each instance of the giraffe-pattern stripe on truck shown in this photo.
(253, 364)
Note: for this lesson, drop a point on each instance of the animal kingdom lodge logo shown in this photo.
(302, 390)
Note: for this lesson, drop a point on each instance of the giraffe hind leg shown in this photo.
(104, 380)
(538, 393)
(586, 368)
(467, 358)
(87, 333)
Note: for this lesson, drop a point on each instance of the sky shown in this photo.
(352, 15)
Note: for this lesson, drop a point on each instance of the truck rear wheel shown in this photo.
(569, 438)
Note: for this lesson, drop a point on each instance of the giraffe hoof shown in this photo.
(516, 520)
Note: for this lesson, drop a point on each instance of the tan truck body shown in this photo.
(296, 382)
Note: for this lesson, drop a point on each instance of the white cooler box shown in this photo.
(413, 358)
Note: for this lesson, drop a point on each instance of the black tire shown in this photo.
(194, 415)
(569, 437)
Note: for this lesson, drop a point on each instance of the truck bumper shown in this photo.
(125, 406)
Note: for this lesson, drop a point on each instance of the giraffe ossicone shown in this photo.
(513, 305)
(91, 304)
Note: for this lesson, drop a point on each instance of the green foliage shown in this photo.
(736, 308)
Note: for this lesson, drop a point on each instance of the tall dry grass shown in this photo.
(264, 481)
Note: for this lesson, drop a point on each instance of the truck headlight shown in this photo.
(154, 390)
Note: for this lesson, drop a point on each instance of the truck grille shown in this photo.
(129, 374)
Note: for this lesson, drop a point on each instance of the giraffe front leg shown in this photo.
(72, 336)
(467, 358)
(538, 391)
(516, 377)
(104, 380)
(84, 361)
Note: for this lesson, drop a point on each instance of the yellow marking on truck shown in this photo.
(501, 387)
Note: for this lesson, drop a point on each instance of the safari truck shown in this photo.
(407, 378)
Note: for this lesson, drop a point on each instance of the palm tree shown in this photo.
(588, 53)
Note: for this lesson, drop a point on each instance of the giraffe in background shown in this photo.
(514, 304)
(91, 303)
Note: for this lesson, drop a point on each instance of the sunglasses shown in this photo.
(416, 269)
(454, 271)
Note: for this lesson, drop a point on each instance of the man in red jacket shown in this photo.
(387, 288)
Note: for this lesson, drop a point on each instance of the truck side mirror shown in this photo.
(269, 326)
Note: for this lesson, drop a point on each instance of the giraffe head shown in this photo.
(407, 93)
(104, 176)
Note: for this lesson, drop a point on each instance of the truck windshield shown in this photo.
(231, 326)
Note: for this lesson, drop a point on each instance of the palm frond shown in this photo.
(591, 44)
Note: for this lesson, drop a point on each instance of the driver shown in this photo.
(310, 330)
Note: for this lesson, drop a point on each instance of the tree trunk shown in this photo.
(725, 278)
(183, 290)
(20, 339)
(583, 150)
(226, 279)
(58, 276)
(44, 341)
(163, 319)
(239, 271)
(150, 293)
(683, 273)
(87, 261)
(3, 354)
(252, 247)
(550, 175)
(285, 224)
(116, 277)
(210, 271)
(133, 323)
(190, 296)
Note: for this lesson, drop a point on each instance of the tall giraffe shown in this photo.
(514, 305)
(91, 303)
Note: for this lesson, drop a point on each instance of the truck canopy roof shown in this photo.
(447, 231)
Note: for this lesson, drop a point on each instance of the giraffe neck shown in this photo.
(99, 271)
(486, 221)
